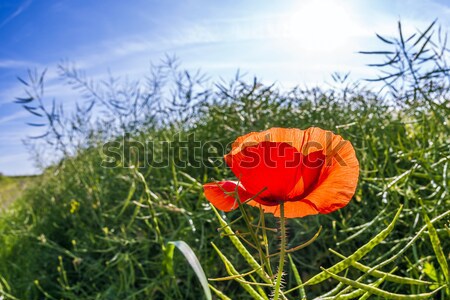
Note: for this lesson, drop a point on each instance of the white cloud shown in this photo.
(17, 12)
(10, 64)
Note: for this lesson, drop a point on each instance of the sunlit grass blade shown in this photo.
(45, 293)
(379, 292)
(347, 293)
(259, 288)
(436, 243)
(410, 243)
(376, 284)
(241, 248)
(380, 274)
(364, 228)
(4, 293)
(232, 277)
(195, 264)
(128, 199)
(330, 294)
(357, 255)
(218, 293)
(298, 279)
(301, 246)
(233, 272)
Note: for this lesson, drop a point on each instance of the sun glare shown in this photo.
(320, 26)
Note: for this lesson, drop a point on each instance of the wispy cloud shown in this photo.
(13, 117)
(17, 12)
(10, 63)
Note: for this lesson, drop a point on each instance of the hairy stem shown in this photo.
(282, 252)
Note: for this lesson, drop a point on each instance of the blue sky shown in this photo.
(288, 42)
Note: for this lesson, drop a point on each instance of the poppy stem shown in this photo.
(282, 252)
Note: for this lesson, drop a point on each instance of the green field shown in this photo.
(11, 188)
(96, 228)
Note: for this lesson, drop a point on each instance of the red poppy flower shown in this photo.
(312, 171)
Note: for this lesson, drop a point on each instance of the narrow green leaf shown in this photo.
(352, 295)
(189, 177)
(297, 277)
(410, 243)
(232, 271)
(218, 293)
(430, 271)
(363, 229)
(347, 293)
(357, 255)
(9, 296)
(330, 294)
(380, 274)
(128, 199)
(259, 288)
(4, 285)
(241, 248)
(436, 243)
(195, 264)
(368, 294)
(167, 262)
(379, 292)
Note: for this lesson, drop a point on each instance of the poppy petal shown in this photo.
(292, 209)
(321, 150)
(338, 180)
(270, 169)
(312, 171)
(291, 136)
(335, 191)
(221, 194)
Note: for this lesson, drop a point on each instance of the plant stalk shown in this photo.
(282, 252)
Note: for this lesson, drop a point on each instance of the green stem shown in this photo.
(152, 210)
(282, 252)
(266, 243)
(263, 258)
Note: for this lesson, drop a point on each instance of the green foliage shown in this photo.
(89, 232)
(11, 188)
(195, 264)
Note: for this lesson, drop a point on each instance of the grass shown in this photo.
(98, 233)
(83, 231)
(11, 187)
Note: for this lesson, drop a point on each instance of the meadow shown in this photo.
(96, 226)
(11, 187)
